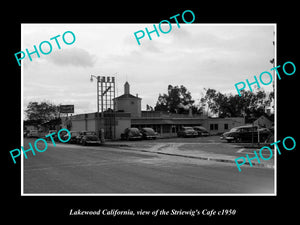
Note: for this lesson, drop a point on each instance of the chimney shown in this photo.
(126, 88)
(137, 95)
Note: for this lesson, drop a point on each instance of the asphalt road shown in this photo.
(74, 169)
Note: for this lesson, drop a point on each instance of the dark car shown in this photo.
(201, 131)
(148, 133)
(247, 133)
(131, 134)
(187, 132)
(90, 140)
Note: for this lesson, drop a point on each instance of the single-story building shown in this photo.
(168, 125)
(127, 113)
(113, 123)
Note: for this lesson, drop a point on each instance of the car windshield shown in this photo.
(188, 128)
(134, 131)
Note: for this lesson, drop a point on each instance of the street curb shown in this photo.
(256, 165)
(115, 145)
(127, 147)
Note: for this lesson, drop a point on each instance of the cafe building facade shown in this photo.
(127, 113)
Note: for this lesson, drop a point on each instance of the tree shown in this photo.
(249, 104)
(215, 101)
(42, 112)
(177, 100)
(149, 108)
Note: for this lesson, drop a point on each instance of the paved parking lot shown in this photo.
(176, 165)
(202, 147)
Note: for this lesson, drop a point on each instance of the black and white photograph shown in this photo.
(160, 117)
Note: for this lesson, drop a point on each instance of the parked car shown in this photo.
(201, 131)
(90, 140)
(82, 134)
(187, 132)
(148, 133)
(246, 134)
(131, 134)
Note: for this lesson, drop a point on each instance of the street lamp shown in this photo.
(104, 81)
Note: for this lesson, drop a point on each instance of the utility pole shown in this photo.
(97, 120)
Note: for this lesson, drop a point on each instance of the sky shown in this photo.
(197, 56)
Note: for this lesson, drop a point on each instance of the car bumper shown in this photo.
(93, 142)
(226, 138)
(229, 138)
(135, 138)
(150, 137)
(190, 135)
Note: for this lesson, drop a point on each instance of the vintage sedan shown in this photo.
(148, 133)
(201, 131)
(246, 133)
(187, 132)
(131, 133)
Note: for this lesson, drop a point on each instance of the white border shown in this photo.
(160, 194)
(22, 119)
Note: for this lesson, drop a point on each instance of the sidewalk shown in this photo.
(174, 150)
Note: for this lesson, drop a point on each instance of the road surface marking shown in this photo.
(252, 152)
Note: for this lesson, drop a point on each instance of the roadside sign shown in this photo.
(66, 108)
